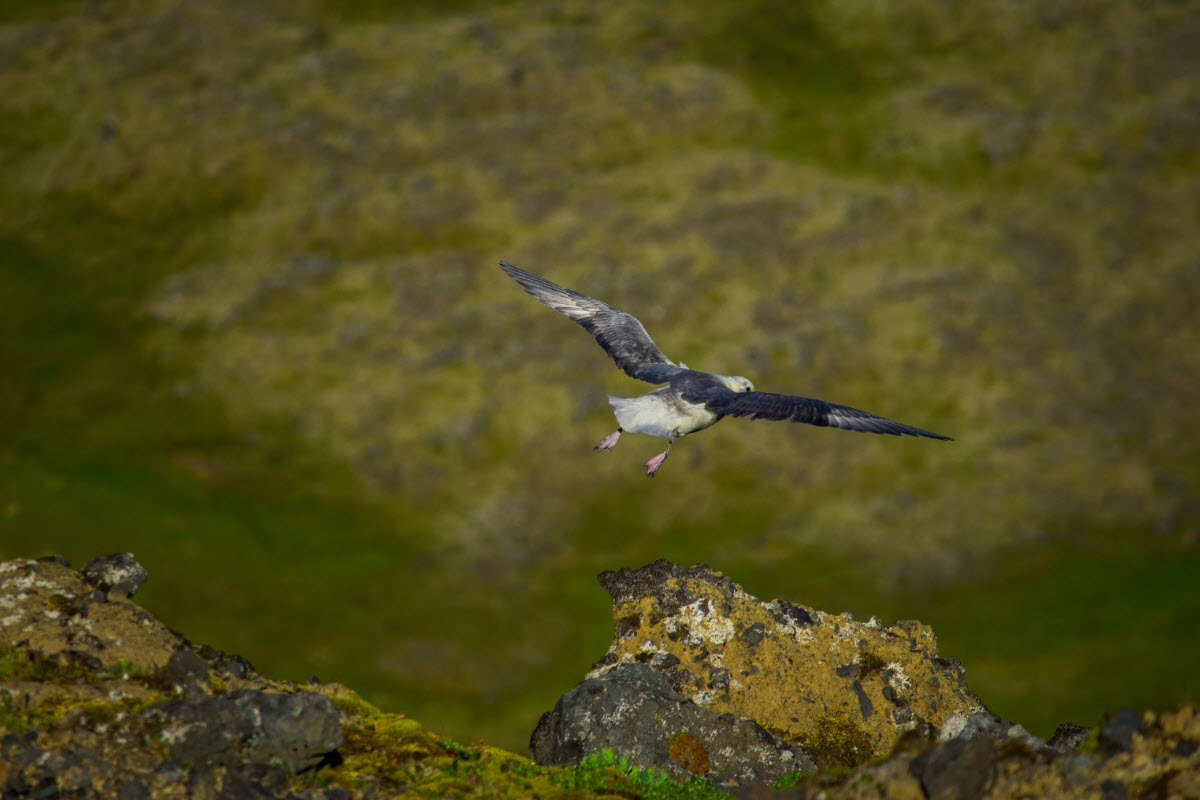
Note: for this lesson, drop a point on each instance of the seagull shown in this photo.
(690, 400)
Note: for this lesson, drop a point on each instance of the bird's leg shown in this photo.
(653, 464)
(609, 442)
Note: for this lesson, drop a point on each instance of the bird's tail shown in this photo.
(624, 409)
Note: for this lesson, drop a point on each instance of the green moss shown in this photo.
(1091, 742)
(123, 668)
(824, 777)
(66, 670)
(606, 773)
(92, 712)
(22, 663)
(355, 706)
(396, 754)
(836, 741)
(790, 781)
(15, 719)
(18, 664)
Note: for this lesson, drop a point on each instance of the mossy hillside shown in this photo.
(67, 696)
(24, 664)
(38, 691)
(255, 334)
(94, 713)
(392, 753)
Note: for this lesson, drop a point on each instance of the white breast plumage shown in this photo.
(661, 413)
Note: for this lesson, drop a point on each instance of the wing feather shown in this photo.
(788, 408)
(621, 335)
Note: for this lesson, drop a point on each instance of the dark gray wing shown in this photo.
(620, 334)
(765, 405)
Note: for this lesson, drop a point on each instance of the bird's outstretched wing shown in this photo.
(620, 334)
(765, 405)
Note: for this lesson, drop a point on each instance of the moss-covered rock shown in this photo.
(1164, 761)
(630, 711)
(106, 701)
(844, 689)
(111, 720)
(50, 608)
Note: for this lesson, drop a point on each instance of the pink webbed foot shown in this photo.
(653, 464)
(609, 442)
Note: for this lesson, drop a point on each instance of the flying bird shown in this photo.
(690, 400)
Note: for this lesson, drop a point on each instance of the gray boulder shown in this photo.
(245, 725)
(631, 710)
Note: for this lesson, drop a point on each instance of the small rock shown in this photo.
(661, 580)
(235, 665)
(796, 615)
(1067, 737)
(1186, 748)
(1117, 734)
(185, 668)
(1113, 790)
(958, 770)
(985, 723)
(129, 789)
(118, 574)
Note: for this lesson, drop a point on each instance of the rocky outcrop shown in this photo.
(1160, 762)
(837, 690)
(694, 658)
(99, 699)
(52, 609)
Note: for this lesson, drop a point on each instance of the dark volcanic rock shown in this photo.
(119, 574)
(959, 770)
(100, 699)
(660, 580)
(249, 725)
(985, 723)
(632, 711)
(1067, 737)
(186, 669)
(1117, 734)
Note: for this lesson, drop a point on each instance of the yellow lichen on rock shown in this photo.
(48, 607)
(799, 672)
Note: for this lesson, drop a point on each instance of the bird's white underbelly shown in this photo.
(661, 413)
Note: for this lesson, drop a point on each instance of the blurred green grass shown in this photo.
(252, 329)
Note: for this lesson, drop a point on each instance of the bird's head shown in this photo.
(737, 383)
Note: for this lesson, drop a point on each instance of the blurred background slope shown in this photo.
(253, 330)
